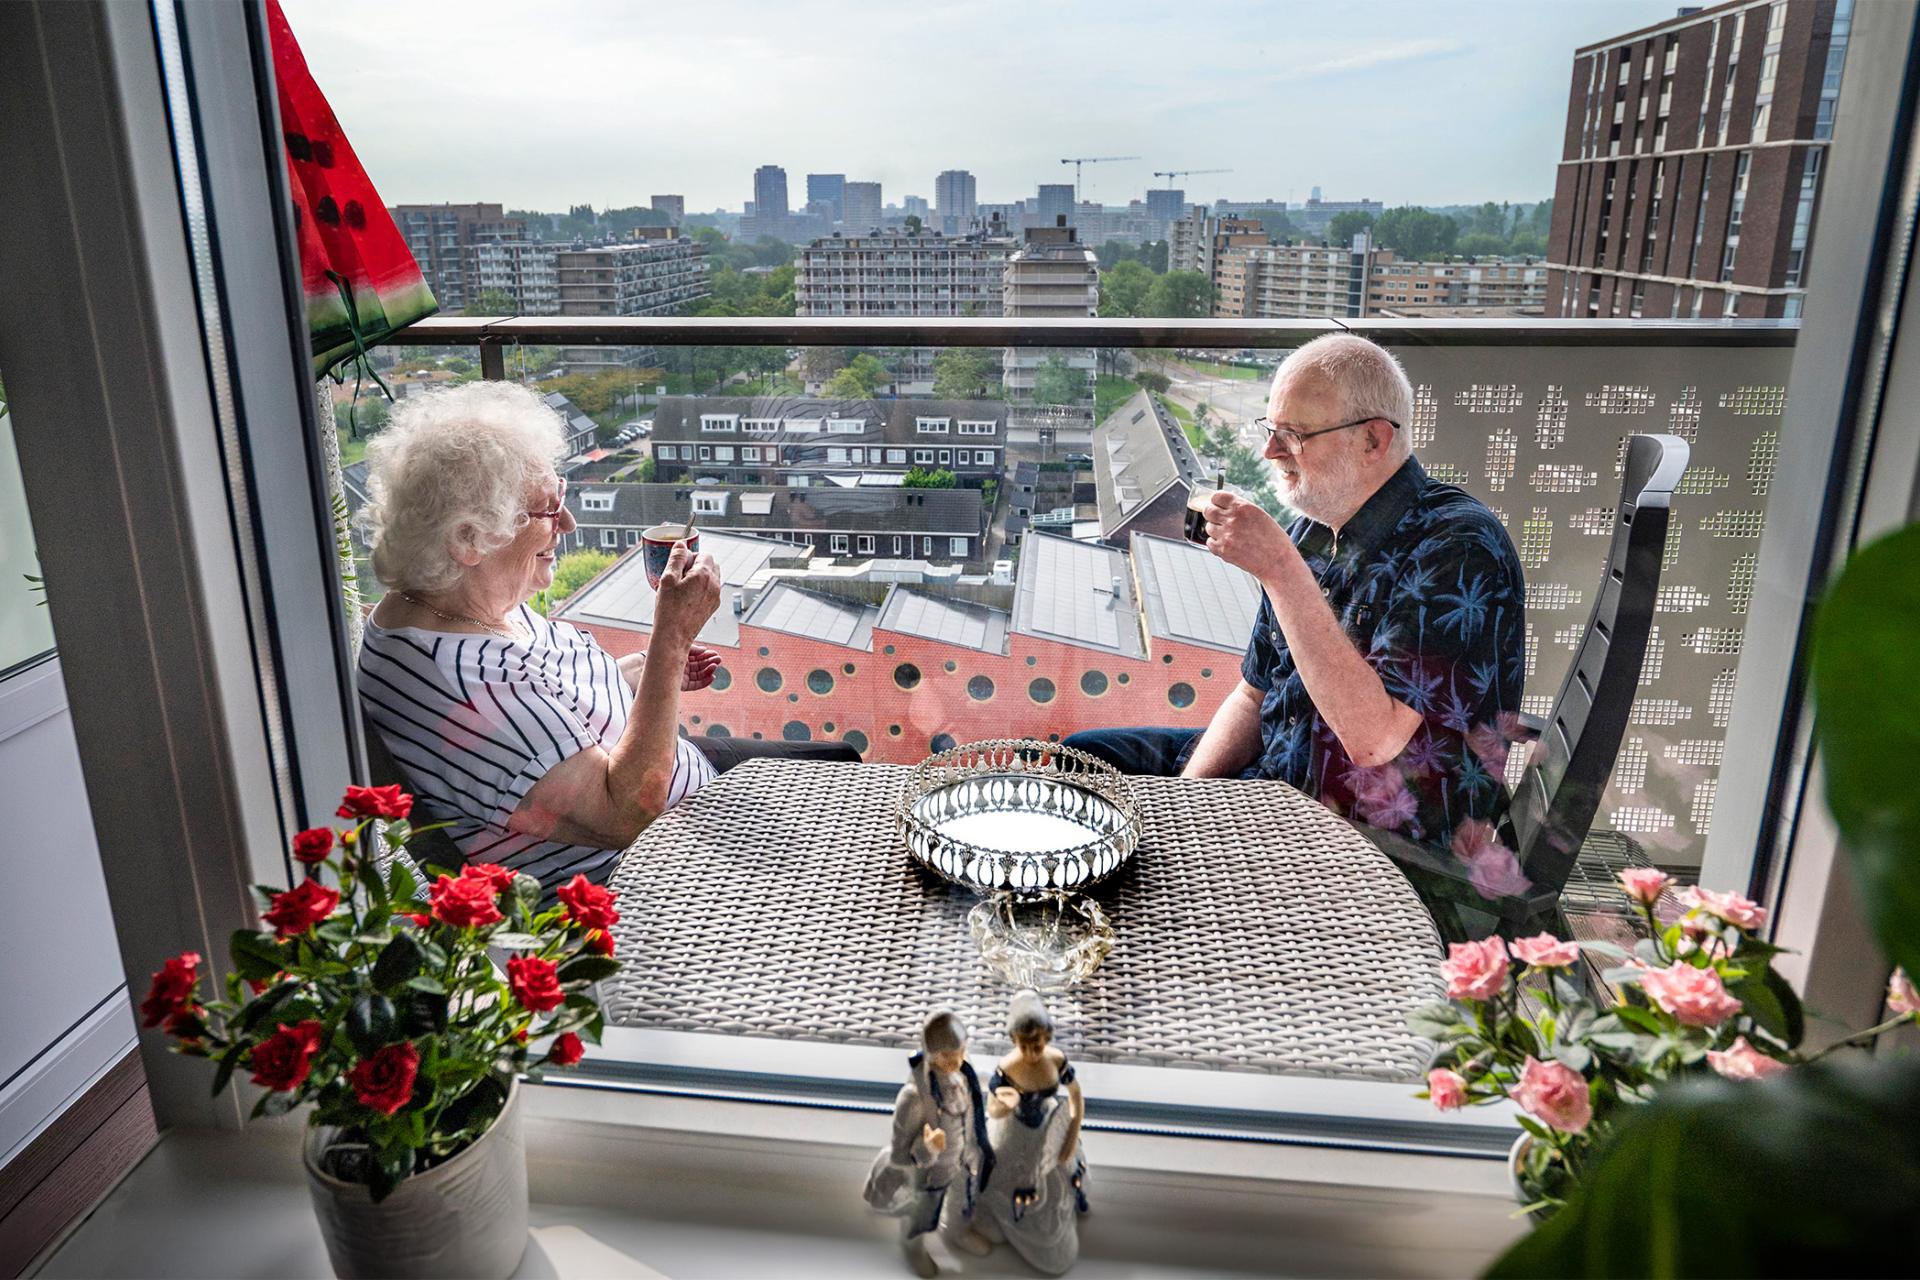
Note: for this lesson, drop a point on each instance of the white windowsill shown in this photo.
(691, 1187)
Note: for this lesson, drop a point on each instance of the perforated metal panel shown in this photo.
(1538, 434)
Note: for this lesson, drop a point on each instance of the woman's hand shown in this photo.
(934, 1139)
(702, 662)
(1003, 1101)
(689, 592)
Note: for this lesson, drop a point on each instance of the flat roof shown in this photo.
(784, 607)
(1193, 596)
(621, 597)
(1078, 593)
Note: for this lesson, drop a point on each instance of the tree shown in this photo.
(1481, 244)
(1345, 226)
(364, 417)
(860, 380)
(1154, 255)
(1179, 295)
(598, 394)
(1148, 380)
(492, 302)
(912, 223)
(1278, 226)
(1419, 234)
(919, 479)
(820, 363)
(1057, 382)
(1124, 289)
(574, 571)
(959, 373)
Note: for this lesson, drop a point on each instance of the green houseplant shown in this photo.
(386, 1013)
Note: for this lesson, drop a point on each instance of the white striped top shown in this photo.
(473, 721)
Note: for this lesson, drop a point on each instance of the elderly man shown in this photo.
(1386, 664)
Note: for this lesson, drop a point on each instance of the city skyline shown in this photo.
(616, 108)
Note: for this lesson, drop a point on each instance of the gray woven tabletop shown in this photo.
(1255, 930)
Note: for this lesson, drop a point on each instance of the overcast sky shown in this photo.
(589, 101)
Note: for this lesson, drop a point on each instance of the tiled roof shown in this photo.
(620, 597)
(956, 622)
(1078, 593)
(820, 508)
(1193, 596)
(783, 607)
(1139, 452)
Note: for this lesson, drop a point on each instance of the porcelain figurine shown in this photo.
(1037, 1192)
(931, 1175)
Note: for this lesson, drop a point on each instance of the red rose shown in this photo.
(375, 802)
(600, 942)
(588, 905)
(464, 903)
(566, 1050)
(172, 989)
(534, 982)
(301, 908)
(282, 1061)
(313, 845)
(499, 877)
(385, 1081)
(520, 1036)
(420, 918)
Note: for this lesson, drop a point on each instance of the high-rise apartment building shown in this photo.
(522, 270)
(1690, 174)
(1200, 242)
(864, 210)
(675, 207)
(1485, 287)
(770, 192)
(895, 274)
(916, 207)
(655, 274)
(826, 195)
(1051, 276)
(1309, 281)
(954, 202)
(441, 238)
(1055, 201)
(1165, 207)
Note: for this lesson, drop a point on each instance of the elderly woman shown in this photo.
(545, 753)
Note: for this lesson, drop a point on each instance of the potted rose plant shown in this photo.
(387, 1014)
(1698, 995)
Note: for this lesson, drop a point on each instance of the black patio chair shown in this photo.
(1559, 792)
(426, 848)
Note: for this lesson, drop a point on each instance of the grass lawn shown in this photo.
(1110, 391)
(351, 451)
(1184, 416)
(1234, 372)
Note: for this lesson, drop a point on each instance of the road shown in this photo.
(1235, 400)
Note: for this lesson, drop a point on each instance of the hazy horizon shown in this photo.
(609, 104)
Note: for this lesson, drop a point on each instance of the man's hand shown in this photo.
(934, 1139)
(702, 662)
(1243, 535)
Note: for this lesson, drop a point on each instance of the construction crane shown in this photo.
(1077, 161)
(1171, 174)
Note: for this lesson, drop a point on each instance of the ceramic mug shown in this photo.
(656, 546)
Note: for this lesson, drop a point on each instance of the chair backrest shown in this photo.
(1561, 788)
(429, 847)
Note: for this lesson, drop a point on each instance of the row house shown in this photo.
(800, 442)
(941, 525)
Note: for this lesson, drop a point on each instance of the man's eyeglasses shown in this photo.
(1292, 439)
(559, 505)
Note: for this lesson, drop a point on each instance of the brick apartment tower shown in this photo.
(1690, 175)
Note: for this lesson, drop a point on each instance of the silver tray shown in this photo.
(1018, 816)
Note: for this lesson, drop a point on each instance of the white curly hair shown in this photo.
(451, 469)
(1364, 376)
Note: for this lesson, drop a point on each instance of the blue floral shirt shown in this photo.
(1426, 583)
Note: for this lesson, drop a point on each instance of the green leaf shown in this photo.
(1642, 1019)
(223, 1072)
(424, 1013)
(1773, 1004)
(1869, 731)
(1605, 950)
(526, 891)
(256, 956)
(263, 1007)
(371, 1021)
(589, 968)
(338, 931)
(1813, 1172)
(368, 874)
(402, 885)
(399, 963)
(428, 983)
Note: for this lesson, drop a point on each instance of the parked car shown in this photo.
(1078, 459)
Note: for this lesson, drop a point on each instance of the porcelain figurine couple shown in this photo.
(982, 1169)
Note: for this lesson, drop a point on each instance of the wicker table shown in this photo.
(1256, 930)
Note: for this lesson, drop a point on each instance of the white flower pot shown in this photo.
(1516, 1160)
(465, 1218)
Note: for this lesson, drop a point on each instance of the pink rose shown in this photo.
(1475, 970)
(1743, 1061)
(1544, 951)
(1448, 1089)
(1696, 997)
(1901, 997)
(1492, 869)
(1644, 884)
(1555, 1094)
(1741, 912)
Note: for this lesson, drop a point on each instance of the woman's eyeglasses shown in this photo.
(1292, 439)
(559, 505)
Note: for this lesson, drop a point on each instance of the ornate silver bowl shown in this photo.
(1018, 816)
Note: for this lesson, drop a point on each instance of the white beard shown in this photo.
(1331, 496)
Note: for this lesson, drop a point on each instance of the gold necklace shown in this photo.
(506, 632)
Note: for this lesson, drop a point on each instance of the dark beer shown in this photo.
(1199, 502)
